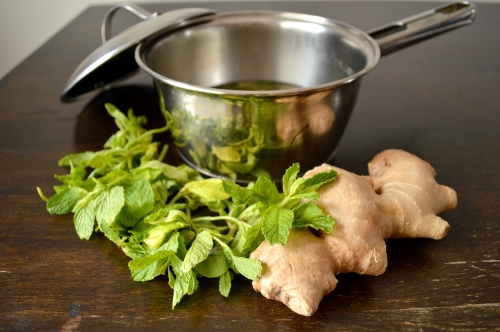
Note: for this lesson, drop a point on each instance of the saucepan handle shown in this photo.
(413, 29)
(133, 8)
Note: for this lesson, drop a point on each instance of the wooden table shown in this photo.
(439, 100)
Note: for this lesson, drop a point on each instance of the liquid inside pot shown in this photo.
(256, 86)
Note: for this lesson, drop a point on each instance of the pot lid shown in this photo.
(114, 59)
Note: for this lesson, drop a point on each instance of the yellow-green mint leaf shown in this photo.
(209, 189)
(64, 201)
(250, 268)
(84, 219)
(225, 283)
(214, 266)
(290, 177)
(198, 252)
(155, 236)
(109, 203)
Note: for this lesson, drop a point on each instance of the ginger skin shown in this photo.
(399, 199)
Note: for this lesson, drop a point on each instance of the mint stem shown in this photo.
(147, 133)
(117, 181)
(227, 218)
(42, 195)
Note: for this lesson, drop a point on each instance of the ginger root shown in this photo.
(399, 199)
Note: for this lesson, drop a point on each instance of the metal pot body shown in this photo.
(250, 93)
(253, 92)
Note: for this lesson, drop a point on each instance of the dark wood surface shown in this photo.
(438, 99)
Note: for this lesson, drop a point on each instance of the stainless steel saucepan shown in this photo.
(252, 92)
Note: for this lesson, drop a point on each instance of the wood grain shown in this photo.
(438, 99)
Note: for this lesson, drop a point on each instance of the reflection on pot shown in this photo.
(240, 137)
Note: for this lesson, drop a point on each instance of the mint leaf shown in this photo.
(84, 218)
(290, 177)
(151, 152)
(181, 175)
(121, 119)
(132, 249)
(75, 177)
(140, 230)
(312, 195)
(109, 203)
(240, 237)
(125, 218)
(114, 177)
(103, 160)
(239, 195)
(250, 268)
(251, 215)
(146, 261)
(276, 223)
(184, 283)
(65, 200)
(117, 140)
(173, 216)
(253, 239)
(303, 185)
(157, 234)
(319, 179)
(163, 212)
(172, 244)
(214, 266)
(186, 235)
(199, 250)
(209, 189)
(266, 191)
(148, 267)
(111, 234)
(139, 198)
(129, 248)
(225, 283)
(171, 278)
(310, 215)
(149, 174)
(76, 159)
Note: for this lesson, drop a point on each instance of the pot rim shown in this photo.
(372, 61)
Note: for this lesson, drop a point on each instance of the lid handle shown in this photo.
(133, 8)
(114, 59)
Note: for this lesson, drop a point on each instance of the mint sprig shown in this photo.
(157, 213)
(281, 212)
